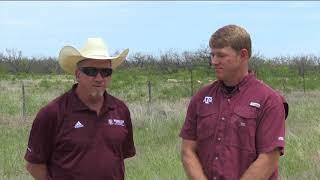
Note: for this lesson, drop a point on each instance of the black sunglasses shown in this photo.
(92, 71)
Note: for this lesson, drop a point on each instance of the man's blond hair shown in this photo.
(231, 35)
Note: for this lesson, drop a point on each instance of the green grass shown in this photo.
(156, 127)
(302, 154)
(156, 130)
(13, 144)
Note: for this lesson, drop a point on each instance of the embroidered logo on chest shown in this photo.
(116, 122)
(207, 99)
(78, 125)
(255, 104)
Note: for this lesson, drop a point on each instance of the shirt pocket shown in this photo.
(206, 126)
(242, 128)
(206, 123)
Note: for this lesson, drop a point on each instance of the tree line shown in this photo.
(12, 61)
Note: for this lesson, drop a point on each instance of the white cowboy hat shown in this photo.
(95, 48)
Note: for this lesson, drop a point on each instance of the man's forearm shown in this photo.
(263, 167)
(38, 171)
(193, 167)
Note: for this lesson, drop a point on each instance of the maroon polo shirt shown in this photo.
(231, 129)
(75, 143)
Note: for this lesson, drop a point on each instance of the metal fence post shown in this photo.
(149, 95)
(304, 81)
(149, 91)
(23, 102)
(191, 82)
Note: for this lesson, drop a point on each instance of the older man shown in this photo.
(85, 133)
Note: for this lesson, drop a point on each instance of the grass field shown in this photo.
(156, 126)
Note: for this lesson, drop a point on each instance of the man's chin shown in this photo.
(219, 77)
(97, 94)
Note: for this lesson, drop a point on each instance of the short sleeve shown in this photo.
(128, 146)
(40, 142)
(271, 129)
(189, 128)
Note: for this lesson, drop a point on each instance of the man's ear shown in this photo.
(244, 54)
(77, 74)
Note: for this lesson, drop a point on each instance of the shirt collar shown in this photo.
(78, 105)
(239, 87)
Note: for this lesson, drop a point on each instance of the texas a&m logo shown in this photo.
(207, 100)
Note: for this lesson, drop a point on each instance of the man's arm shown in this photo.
(263, 167)
(38, 171)
(191, 161)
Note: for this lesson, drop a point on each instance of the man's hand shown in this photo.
(38, 171)
(263, 167)
(191, 161)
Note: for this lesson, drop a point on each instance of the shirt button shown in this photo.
(222, 118)
(217, 158)
(219, 139)
(228, 100)
(214, 177)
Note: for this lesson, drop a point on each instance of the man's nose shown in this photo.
(214, 60)
(99, 77)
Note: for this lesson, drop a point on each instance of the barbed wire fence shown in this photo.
(306, 70)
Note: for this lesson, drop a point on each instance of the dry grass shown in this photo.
(156, 128)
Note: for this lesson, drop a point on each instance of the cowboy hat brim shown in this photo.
(69, 57)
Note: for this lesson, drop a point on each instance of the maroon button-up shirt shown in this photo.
(75, 143)
(231, 129)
